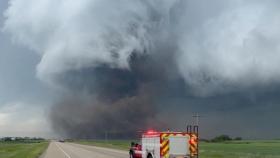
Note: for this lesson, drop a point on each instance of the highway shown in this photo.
(71, 150)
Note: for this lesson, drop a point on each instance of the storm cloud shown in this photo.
(143, 56)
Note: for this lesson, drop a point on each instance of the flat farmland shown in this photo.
(241, 149)
(22, 150)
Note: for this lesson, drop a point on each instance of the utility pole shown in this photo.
(196, 117)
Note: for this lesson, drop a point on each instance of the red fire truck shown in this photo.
(167, 144)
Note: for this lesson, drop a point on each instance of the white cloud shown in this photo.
(237, 48)
(230, 43)
(78, 34)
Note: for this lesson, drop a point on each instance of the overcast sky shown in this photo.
(23, 98)
(225, 53)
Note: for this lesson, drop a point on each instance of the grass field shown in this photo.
(22, 150)
(241, 149)
(234, 149)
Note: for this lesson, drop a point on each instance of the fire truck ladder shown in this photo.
(194, 130)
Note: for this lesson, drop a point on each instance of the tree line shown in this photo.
(22, 139)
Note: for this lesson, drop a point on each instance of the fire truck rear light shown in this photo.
(151, 132)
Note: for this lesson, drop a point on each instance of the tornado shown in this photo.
(121, 67)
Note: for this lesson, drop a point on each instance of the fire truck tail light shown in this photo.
(151, 132)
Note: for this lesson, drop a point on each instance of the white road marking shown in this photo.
(62, 150)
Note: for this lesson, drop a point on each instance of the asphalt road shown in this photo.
(70, 150)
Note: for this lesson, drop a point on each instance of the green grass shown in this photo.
(234, 149)
(241, 149)
(22, 150)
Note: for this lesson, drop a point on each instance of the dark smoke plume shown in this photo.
(118, 102)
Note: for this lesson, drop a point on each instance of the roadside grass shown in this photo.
(113, 144)
(22, 150)
(232, 149)
(241, 149)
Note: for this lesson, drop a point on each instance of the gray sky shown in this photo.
(23, 97)
(225, 53)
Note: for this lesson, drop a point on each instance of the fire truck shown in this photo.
(167, 144)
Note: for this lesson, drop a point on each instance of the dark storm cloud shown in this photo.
(147, 58)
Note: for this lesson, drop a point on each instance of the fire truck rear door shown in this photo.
(178, 145)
